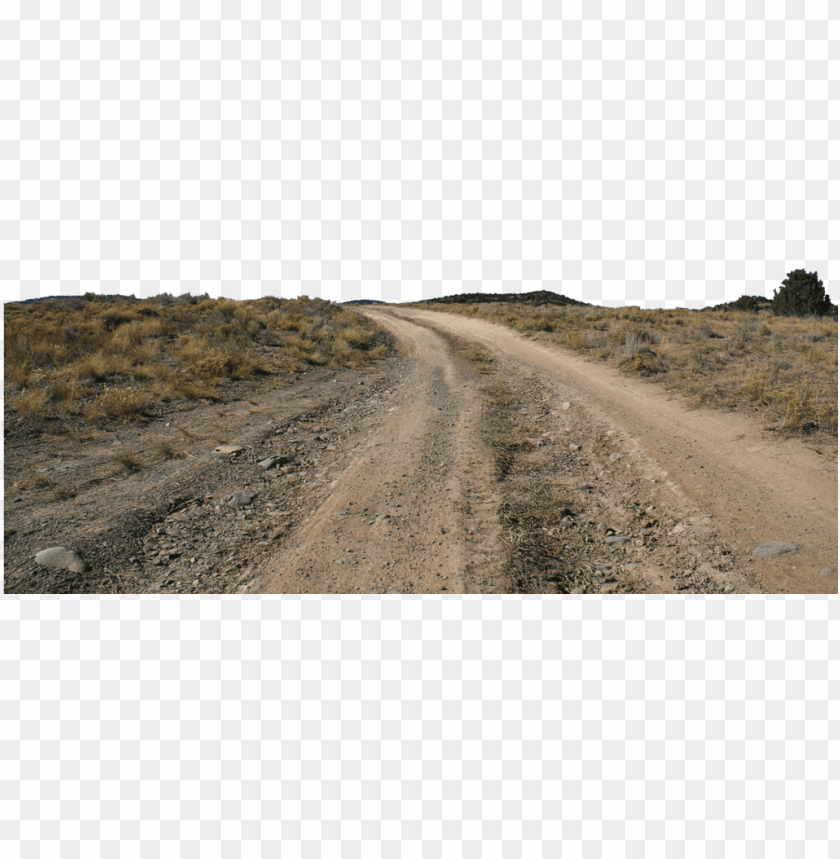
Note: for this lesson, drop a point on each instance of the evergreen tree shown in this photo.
(802, 294)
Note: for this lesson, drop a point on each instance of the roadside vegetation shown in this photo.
(112, 359)
(782, 367)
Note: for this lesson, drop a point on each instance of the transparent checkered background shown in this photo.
(643, 152)
(419, 727)
(648, 153)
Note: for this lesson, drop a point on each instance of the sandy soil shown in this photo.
(472, 461)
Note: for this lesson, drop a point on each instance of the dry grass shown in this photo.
(127, 463)
(166, 451)
(782, 368)
(61, 494)
(109, 360)
(31, 401)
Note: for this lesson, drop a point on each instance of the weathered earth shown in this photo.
(474, 460)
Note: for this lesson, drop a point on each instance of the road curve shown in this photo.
(731, 468)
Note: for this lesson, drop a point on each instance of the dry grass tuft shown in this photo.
(166, 451)
(127, 463)
(61, 494)
(31, 401)
(120, 403)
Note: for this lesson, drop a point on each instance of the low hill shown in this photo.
(364, 301)
(535, 299)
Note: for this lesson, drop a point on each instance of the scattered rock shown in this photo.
(229, 448)
(828, 571)
(577, 591)
(774, 548)
(617, 541)
(574, 447)
(277, 459)
(609, 588)
(65, 559)
(240, 499)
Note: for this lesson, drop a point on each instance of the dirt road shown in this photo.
(465, 486)
(474, 460)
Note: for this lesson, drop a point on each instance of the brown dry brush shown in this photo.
(110, 360)
(782, 368)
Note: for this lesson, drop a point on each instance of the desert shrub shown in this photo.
(67, 391)
(124, 404)
(101, 366)
(128, 463)
(20, 372)
(166, 451)
(359, 337)
(30, 401)
(226, 309)
(802, 294)
(114, 319)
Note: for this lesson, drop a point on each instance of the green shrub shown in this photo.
(802, 294)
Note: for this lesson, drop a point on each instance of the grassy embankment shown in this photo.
(102, 360)
(784, 369)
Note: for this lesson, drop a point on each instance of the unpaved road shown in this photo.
(474, 460)
(693, 492)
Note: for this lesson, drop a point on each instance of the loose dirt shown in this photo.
(473, 460)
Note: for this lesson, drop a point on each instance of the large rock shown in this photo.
(774, 548)
(64, 559)
(277, 459)
(240, 499)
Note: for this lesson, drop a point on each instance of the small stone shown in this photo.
(609, 588)
(574, 447)
(577, 591)
(240, 499)
(229, 448)
(277, 459)
(774, 548)
(678, 529)
(617, 541)
(65, 559)
(565, 406)
(828, 571)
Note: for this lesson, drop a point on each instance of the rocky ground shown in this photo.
(453, 466)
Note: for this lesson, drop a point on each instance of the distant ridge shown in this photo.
(364, 301)
(538, 297)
